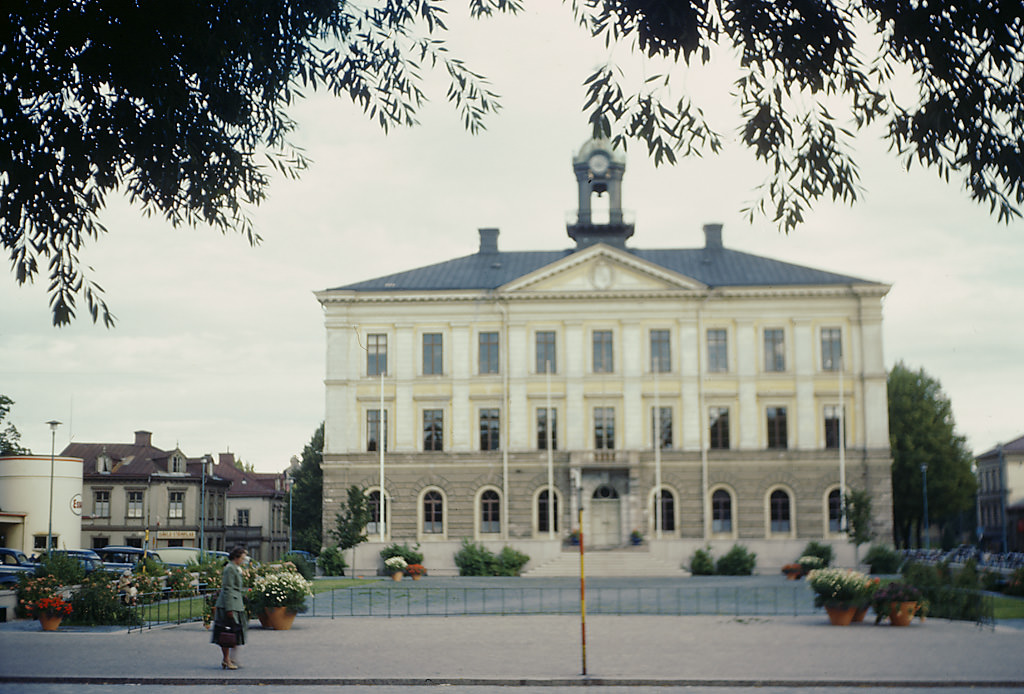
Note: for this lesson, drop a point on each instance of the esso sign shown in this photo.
(76, 504)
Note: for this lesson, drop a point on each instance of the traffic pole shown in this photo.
(583, 596)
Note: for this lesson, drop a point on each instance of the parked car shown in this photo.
(121, 558)
(13, 563)
(89, 560)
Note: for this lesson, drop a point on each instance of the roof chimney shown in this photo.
(489, 240)
(143, 438)
(713, 237)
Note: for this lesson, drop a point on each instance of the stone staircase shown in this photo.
(619, 562)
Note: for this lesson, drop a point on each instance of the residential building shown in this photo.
(257, 510)
(140, 495)
(1000, 474)
(699, 395)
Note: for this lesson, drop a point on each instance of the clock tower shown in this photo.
(599, 168)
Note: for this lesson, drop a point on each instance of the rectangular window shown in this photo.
(776, 421)
(604, 428)
(718, 350)
(135, 502)
(101, 504)
(433, 362)
(242, 516)
(376, 355)
(489, 353)
(603, 362)
(832, 426)
(543, 428)
(433, 513)
(718, 427)
(176, 505)
(774, 350)
(831, 348)
(546, 352)
(661, 426)
(490, 425)
(661, 352)
(375, 434)
(433, 430)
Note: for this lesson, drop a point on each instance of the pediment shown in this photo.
(601, 268)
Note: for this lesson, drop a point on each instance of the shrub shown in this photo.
(475, 560)
(882, 559)
(96, 602)
(179, 579)
(511, 562)
(63, 567)
(302, 565)
(331, 561)
(948, 596)
(412, 555)
(820, 550)
(738, 561)
(701, 563)
(1015, 584)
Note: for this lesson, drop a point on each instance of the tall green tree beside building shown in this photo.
(922, 432)
(308, 496)
(9, 435)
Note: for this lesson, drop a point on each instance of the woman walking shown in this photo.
(229, 613)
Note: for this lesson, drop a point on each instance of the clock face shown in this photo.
(598, 163)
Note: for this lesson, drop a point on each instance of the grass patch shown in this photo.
(325, 585)
(1008, 608)
(185, 609)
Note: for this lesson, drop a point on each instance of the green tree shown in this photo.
(351, 520)
(9, 435)
(178, 104)
(858, 519)
(308, 496)
(922, 432)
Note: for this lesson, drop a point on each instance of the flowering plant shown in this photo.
(793, 569)
(810, 562)
(893, 593)
(280, 589)
(838, 587)
(415, 569)
(394, 565)
(53, 606)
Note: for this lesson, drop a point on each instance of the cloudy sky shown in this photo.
(220, 346)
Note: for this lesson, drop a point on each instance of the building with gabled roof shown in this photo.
(696, 396)
(140, 495)
(257, 509)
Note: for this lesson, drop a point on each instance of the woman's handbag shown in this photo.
(228, 636)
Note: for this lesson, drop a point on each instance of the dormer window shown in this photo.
(177, 463)
(104, 464)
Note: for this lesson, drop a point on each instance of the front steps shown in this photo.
(619, 562)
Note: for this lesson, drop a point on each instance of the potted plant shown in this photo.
(415, 570)
(395, 566)
(839, 591)
(636, 537)
(50, 610)
(899, 602)
(793, 571)
(867, 594)
(281, 595)
(574, 537)
(810, 562)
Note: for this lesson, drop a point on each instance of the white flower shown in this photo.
(395, 564)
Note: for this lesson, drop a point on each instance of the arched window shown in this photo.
(490, 512)
(377, 512)
(433, 513)
(779, 510)
(668, 510)
(542, 512)
(606, 492)
(721, 512)
(835, 512)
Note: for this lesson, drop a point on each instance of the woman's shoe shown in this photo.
(228, 665)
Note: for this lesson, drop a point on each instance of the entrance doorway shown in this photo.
(605, 517)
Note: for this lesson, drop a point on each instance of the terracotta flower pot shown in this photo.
(840, 616)
(50, 622)
(397, 576)
(859, 614)
(902, 613)
(280, 618)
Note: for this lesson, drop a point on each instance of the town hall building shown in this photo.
(697, 396)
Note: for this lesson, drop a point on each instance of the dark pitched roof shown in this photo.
(1016, 446)
(129, 459)
(245, 483)
(714, 267)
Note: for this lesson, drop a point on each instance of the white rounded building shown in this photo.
(25, 502)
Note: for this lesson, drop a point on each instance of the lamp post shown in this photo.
(53, 450)
(924, 492)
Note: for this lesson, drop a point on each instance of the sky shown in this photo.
(219, 346)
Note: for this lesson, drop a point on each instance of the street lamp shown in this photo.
(53, 444)
(924, 492)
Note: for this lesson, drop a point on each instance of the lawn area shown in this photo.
(323, 585)
(1008, 608)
